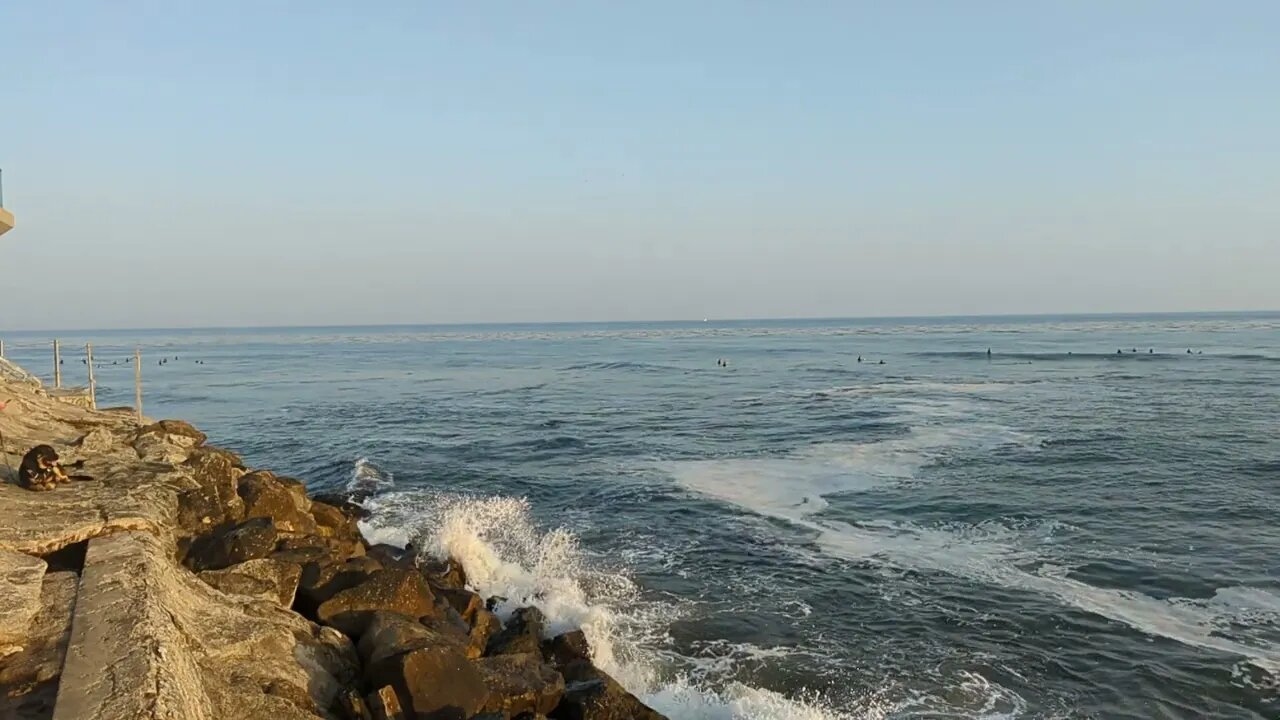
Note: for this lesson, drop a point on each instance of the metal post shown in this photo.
(137, 382)
(57, 365)
(93, 386)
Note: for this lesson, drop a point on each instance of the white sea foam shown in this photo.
(506, 554)
(367, 478)
(793, 488)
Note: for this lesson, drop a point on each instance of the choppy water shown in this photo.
(1055, 530)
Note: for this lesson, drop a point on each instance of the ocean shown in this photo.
(1080, 524)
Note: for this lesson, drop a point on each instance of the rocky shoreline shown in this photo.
(180, 583)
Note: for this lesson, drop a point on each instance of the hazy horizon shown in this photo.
(241, 165)
(668, 321)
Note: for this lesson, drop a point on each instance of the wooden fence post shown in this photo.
(57, 365)
(93, 386)
(1, 348)
(137, 382)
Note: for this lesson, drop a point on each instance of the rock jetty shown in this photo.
(178, 583)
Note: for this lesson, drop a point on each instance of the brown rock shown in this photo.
(396, 590)
(566, 648)
(444, 573)
(388, 634)
(333, 522)
(322, 579)
(266, 578)
(523, 633)
(519, 684)
(484, 626)
(353, 706)
(590, 694)
(385, 704)
(21, 577)
(214, 501)
(251, 539)
(465, 602)
(178, 428)
(392, 556)
(265, 495)
(434, 682)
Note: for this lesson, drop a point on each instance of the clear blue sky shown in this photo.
(262, 163)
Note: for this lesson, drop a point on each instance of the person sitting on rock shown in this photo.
(40, 469)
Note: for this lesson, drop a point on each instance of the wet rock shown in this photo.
(434, 682)
(520, 683)
(484, 626)
(254, 538)
(266, 578)
(444, 573)
(590, 694)
(401, 591)
(337, 547)
(343, 502)
(21, 577)
(567, 648)
(392, 556)
(265, 495)
(523, 633)
(465, 602)
(353, 706)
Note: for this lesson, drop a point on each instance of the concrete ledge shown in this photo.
(121, 660)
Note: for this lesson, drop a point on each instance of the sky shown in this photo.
(175, 164)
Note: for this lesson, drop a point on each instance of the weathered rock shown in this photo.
(21, 577)
(388, 634)
(566, 648)
(178, 428)
(465, 602)
(401, 591)
(167, 441)
(254, 538)
(214, 501)
(590, 694)
(149, 640)
(523, 633)
(353, 706)
(484, 626)
(343, 502)
(384, 704)
(324, 578)
(335, 546)
(96, 440)
(392, 556)
(265, 495)
(266, 578)
(30, 677)
(444, 573)
(520, 683)
(434, 682)
(333, 522)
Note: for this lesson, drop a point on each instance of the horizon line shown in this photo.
(831, 318)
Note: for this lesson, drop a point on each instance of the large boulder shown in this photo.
(388, 634)
(567, 648)
(332, 521)
(435, 682)
(285, 503)
(444, 573)
(590, 694)
(254, 538)
(266, 578)
(523, 633)
(168, 441)
(401, 591)
(215, 500)
(519, 684)
(327, 576)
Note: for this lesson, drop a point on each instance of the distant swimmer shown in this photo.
(1135, 350)
(859, 358)
(1151, 351)
(1119, 352)
(1188, 351)
(988, 352)
(880, 363)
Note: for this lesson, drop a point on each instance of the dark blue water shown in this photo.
(1054, 530)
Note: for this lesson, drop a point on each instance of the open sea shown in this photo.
(1054, 530)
